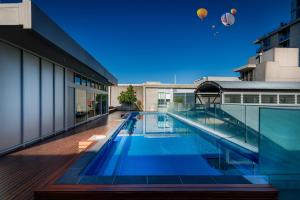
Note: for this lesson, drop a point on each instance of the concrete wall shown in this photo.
(286, 57)
(253, 60)
(115, 92)
(260, 72)
(268, 56)
(148, 93)
(151, 99)
(279, 64)
(274, 72)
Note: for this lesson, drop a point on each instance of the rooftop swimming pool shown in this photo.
(158, 148)
(158, 145)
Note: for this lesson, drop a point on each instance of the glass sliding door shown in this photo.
(98, 104)
(91, 104)
(104, 103)
(80, 105)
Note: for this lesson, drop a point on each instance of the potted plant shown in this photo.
(128, 97)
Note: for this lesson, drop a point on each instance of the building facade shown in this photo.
(249, 93)
(277, 64)
(155, 96)
(49, 83)
(295, 12)
(286, 36)
(278, 56)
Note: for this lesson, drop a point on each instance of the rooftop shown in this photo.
(246, 67)
(252, 85)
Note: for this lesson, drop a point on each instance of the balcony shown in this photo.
(284, 38)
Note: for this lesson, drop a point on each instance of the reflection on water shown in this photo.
(157, 144)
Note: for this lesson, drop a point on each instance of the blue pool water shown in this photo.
(156, 144)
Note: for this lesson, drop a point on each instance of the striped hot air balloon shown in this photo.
(228, 19)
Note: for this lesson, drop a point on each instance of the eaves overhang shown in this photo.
(25, 25)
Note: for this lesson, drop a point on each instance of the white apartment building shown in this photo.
(155, 96)
(274, 65)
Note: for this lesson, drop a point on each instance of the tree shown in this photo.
(128, 97)
(178, 100)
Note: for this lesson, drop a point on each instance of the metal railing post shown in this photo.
(246, 130)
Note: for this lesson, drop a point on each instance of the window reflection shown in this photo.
(287, 99)
(91, 104)
(104, 103)
(83, 81)
(98, 104)
(77, 79)
(81, 110)
(88, 83)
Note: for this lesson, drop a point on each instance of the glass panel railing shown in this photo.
(273, 131)
(279, 149)
(228, 120)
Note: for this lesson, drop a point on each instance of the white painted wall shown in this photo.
(287, 57)
(279, 64)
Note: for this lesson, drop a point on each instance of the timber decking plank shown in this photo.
(24, 171)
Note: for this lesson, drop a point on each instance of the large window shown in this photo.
(104, 103)
(232, 98)
(92, 84)
(83, 81)
(287, 99)
(251, 98)
(104, 87)
(80, 102)
(91, 104)
(88, 83)
(162, 99)
(101, 87)
(98, 107)
(269, 99)
(77, 79)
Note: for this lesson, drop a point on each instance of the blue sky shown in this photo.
(151, 40)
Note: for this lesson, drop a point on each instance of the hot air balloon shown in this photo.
(202, 13)
(233, 11)
(228, 19)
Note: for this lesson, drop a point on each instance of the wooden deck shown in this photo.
(24, 171)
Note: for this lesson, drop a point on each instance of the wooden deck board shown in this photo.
(24, 171)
